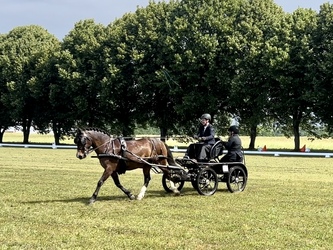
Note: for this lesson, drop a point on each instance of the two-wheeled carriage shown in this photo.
(205, 176)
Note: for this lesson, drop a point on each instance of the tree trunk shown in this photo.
(2, 132)
(26, 130)
(296, 140)
(296, 122)
(163, 133)
(253, 136)
(127, 131)
(56, 133)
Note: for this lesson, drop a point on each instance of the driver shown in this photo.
(206, 138)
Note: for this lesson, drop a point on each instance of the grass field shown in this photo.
(287, 204)
(272, 143)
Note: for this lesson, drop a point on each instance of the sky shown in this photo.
(59, 16)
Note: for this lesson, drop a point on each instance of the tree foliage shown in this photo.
(81, 69)
(166, 64)
(24, 52)
(255, 44)
(290, 100)
(323, 64)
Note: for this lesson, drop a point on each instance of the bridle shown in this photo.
(87, 150)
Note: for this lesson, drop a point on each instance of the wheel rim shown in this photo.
(207, 182)
(237, 180)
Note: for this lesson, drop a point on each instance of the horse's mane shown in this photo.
(96, 130)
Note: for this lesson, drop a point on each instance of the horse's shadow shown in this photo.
(186, 191)
(85, 200)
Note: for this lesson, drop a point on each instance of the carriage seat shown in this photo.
(216, 150)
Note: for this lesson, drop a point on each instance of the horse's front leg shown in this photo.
(146, 180)
(101, 181)
(116, 181)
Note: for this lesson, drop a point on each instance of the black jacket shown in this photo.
(208, 134)
(234, 147)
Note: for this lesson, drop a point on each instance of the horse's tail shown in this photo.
(160, 144)
(170, 159)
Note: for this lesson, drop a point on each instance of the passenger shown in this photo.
(206, 138)
(234, 146)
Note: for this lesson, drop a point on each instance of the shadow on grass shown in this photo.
(186, 191)
(83, 200)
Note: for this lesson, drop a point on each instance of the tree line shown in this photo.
(166, 64)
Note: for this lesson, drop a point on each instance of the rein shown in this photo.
(93, 149)
(136, 156)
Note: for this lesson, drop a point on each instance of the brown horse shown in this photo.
(117, 155)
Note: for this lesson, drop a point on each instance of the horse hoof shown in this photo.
(176, 193)
(132, 197)
(139, 198)
(91, 201)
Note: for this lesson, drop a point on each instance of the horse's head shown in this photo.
(83, 143)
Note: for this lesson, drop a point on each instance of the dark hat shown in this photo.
(234, 129)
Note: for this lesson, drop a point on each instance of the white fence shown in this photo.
(177, 150)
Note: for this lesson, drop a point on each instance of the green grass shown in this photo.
(287, 204)
(17, 137)
(272, 143)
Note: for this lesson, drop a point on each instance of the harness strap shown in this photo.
(122, 143)
(154, 148)
(93, 149)
(124, 149)
(140, 159)
(107, 148)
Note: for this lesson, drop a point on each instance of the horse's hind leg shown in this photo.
(116, 181)
(146, 174)
(173, 187)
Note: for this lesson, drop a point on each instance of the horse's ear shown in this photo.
(78, 133)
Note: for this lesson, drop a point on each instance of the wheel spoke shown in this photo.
(237, 179)
(207, 182)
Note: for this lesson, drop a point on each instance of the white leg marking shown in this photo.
(173, 188)
(142, 193)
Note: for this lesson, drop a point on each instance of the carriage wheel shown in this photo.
(167, 186)
(237, 179)
(206, 181)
